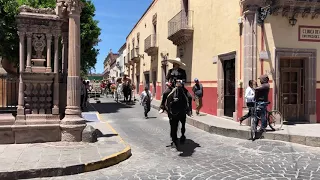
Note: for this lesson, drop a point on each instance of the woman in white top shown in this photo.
(249, 95)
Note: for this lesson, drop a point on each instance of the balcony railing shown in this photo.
(151, 45)
(180, 27)
(183, 20)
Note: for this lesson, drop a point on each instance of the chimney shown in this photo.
(110, 51)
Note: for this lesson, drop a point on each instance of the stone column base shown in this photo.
(220, 112)
(72, 127)
(72, 133)
(313, 118)
(55, 111)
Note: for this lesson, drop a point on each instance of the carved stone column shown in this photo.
(55, 109)
(20, 108)
(49, 39)
(29, 51)
(250, 44)
(73, 124)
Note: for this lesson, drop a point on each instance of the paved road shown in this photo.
(205, 156)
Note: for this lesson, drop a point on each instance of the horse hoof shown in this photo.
(182, 139)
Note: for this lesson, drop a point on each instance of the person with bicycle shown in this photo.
(261, 98)
(249, 95)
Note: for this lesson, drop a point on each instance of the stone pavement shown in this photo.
(306, 134)
(204, 156)
(19, 161)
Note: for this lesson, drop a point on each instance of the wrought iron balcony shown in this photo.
(151, 45)
(135, 55)
(180, 27)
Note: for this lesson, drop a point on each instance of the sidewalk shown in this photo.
(306, 134)
(21, 161)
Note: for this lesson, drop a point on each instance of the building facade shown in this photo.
(227, 43)
(110, 68)
(121, 60)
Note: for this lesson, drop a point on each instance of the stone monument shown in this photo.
(49, 88)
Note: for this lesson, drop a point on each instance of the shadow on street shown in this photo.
(110, 107)
(188, 148)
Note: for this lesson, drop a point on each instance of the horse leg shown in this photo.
(183, 128)
(173, 130)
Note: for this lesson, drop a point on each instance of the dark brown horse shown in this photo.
(177, 105)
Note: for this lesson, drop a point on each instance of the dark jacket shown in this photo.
(172, 76)
(262, 92)
(198, 90)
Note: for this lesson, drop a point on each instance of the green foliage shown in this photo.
(9, 40)
(38, 3)
(90, 33)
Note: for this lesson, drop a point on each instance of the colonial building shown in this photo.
(110, 68)
(121, 60)
(227, 43)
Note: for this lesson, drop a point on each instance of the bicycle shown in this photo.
(272, 121)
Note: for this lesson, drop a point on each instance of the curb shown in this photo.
(74, 169)
(245, 134)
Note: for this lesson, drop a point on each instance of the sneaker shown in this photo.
(161, 111)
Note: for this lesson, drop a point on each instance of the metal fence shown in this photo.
(9, 89)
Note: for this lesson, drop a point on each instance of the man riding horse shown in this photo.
(174, 74)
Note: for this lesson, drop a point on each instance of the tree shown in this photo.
(9, 40)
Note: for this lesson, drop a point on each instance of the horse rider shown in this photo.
(174, 74)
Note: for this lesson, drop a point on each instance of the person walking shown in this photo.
(198, 94)
(145, 101)
(249, 95)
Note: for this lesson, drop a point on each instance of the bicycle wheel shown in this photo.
(275, 120)
(253, 128)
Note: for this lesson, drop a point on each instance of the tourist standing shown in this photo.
(198, 94)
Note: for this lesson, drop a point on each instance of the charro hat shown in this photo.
(177, 61)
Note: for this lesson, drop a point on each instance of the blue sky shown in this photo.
(116, 19)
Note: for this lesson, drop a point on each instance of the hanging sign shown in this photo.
(309, 33)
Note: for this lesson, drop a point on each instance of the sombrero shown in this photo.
(177, 61)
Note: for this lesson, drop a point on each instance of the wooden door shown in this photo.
(229, 87)
(292, 93)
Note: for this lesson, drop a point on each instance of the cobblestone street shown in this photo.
(204, 156)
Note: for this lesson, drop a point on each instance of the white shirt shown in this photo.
(143, 97)
(249, 95)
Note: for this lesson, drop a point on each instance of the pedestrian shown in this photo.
(249, 95)
(198, 94)
(145, 101)
(83, 93)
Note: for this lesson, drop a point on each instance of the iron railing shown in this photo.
(9, 91)
(182, 20)
(150, 41)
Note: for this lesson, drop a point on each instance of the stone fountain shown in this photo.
(47, 110)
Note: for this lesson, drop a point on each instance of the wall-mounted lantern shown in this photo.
(292, 21)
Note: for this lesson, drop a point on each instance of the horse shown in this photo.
(127, 91)
(177, 105)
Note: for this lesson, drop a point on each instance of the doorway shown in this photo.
(229, 87)
(154, 83)
(147, 79)
(138, 83)
(292, 89)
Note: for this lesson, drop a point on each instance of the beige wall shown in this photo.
(215, 32)
(280, 34)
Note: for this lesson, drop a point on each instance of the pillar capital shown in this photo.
(21, 34)
(49, 36)
(74, 7)
(29, 34)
